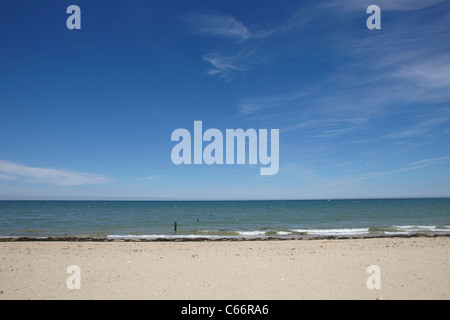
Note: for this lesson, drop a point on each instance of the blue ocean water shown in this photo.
(223, 219)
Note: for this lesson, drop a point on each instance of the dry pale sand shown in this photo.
(410, 268)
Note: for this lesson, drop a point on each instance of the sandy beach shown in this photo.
(410, 268)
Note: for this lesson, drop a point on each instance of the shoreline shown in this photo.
(210, 239)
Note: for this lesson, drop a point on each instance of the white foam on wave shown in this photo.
(410, 229)
(252, 233)
(238, 234)
(393, 230)
(18, 237)
(334, 232)
(164, 236)
(415, 227)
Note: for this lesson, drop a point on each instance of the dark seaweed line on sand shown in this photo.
(200, 239)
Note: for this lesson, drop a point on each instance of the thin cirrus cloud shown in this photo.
(150, 178)
(226, 26)
(217, 25)
(12, 171)
(409, 167)
(224, 65)
(419, 128)
(404, 67)
(427, 162)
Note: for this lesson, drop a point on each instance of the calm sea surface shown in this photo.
(221, 219)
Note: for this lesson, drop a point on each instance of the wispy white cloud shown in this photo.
(7, 177)
(419, 128)
(333, 132)
(308, 111)
(226, 26)
(13, 171)
(412, 58)
(372, 175)
(382, 76)
(295, 22)
(217, 25)
(256, 104)
(150, 178)
(428, 162)
(224, 65)
(433, 73)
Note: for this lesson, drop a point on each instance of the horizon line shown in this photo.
(230, 200)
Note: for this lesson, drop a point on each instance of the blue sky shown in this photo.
(88, 114)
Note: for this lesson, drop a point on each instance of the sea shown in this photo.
(224, 219)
